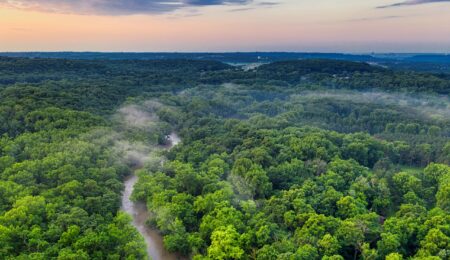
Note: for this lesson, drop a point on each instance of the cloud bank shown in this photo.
(113, 7)
(413, 2)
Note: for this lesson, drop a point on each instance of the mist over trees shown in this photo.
(309, 159)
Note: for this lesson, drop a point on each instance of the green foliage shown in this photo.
(291, 160)
(225, 244)
(60, 187)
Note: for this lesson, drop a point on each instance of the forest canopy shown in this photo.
(302, 159)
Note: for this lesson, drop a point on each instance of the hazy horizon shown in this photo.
(235, 51)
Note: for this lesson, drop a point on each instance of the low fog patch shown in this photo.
(139, 115)
(431, 106)
(135, 134)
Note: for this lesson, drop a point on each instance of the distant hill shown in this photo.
(435, 63)
(435, 58)
(232, 56)
(24, 64)
(318, 66)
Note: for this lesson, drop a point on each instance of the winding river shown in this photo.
(138, 210)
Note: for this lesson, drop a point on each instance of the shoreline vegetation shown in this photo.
(138, 211)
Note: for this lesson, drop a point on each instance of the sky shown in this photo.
(351, 26)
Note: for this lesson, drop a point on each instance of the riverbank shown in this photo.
(138, 211)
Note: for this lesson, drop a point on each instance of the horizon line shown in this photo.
(230, 52)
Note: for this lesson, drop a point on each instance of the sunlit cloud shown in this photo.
(387, 17)
(254, 6)
(113, 7)
(268, 3)
(413, 2)
(241, 9)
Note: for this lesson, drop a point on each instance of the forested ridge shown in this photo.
(306, 159)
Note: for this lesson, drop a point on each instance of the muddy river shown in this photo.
(138, 210)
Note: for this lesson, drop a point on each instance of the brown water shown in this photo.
(139, 213)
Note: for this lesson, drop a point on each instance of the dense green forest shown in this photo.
(306, 159)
